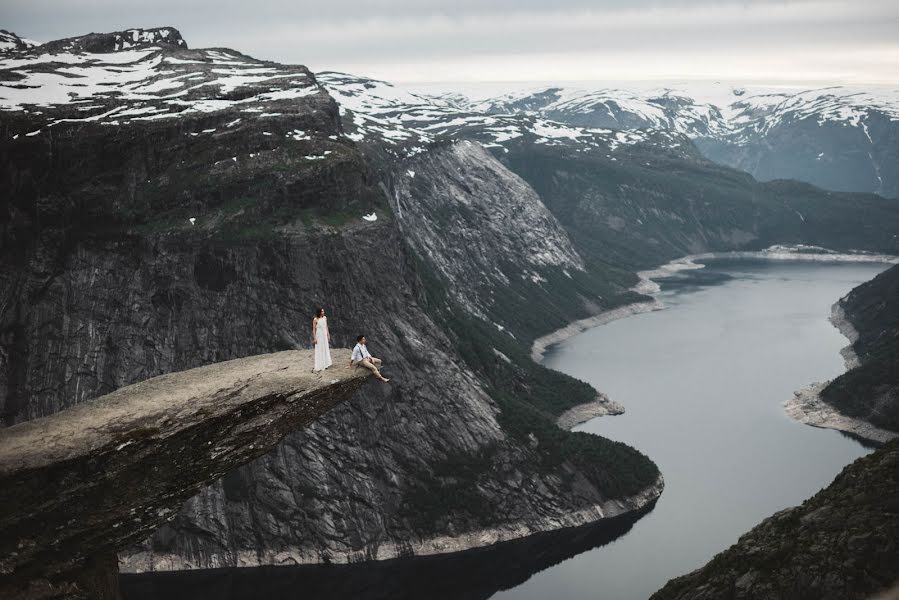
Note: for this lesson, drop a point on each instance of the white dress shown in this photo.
(322, 351)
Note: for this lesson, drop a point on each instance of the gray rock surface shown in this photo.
(806, 406)
(179, 231)
(582, 413)
(236, 210)
(470, 215)
(81, 484)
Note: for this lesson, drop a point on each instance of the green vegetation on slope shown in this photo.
(530, 396)
(642, 209)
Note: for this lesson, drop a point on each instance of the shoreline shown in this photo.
(581, 413)
(807, 407)
(440, 545)
(543, 343)
(649, 287)
(600, 406)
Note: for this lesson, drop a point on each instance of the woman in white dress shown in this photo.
(321, 339)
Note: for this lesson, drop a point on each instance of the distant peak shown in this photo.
(10, 41)
(116, 41)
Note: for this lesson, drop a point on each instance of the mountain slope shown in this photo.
(838, 138)
(204, 203)
(870, 391)
(628, 198)
(198, 210)
(376, 112)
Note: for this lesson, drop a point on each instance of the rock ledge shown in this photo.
(81, 484)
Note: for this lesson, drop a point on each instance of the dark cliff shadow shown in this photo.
(472, 574)
(863, 441)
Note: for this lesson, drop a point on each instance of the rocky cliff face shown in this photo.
(870, 391)
(841, 543)
(200, 215)
(202, 212)
(426, 466)
(627, 197)
(466, 213)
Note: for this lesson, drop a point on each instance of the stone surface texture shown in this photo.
(81, 484)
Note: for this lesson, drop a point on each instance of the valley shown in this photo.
(168, 207)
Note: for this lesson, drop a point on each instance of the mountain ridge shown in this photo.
(845, 133)
(196, 202)
(219, 228)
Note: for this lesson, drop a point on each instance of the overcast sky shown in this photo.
(516, 40)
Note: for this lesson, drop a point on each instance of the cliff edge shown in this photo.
(83, 483)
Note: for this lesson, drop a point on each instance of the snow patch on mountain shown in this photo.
(10, 42)
(154, 82)
(405, 121)
(697, 109)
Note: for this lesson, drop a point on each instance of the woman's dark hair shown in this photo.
(359, 339)
(318, 312)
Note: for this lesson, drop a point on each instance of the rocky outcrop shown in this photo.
(842, 543)
(10, 42)
(806, 406)
(869, 392)
(79, 485)
(128, 39)
(204, 222)
(582, 413)
(201, 208)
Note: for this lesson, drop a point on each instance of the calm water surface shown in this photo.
(703, 382)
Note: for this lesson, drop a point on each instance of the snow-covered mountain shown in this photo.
(168, 207)
(613, 108)
(840, 138)
(10, 42)
(378, 111)
(142, 75)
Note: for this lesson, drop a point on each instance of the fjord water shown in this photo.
(702, 383)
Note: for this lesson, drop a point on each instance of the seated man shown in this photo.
(361, 358)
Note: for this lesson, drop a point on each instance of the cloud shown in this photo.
(501, 39)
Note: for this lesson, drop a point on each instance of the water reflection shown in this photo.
(468, 575)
